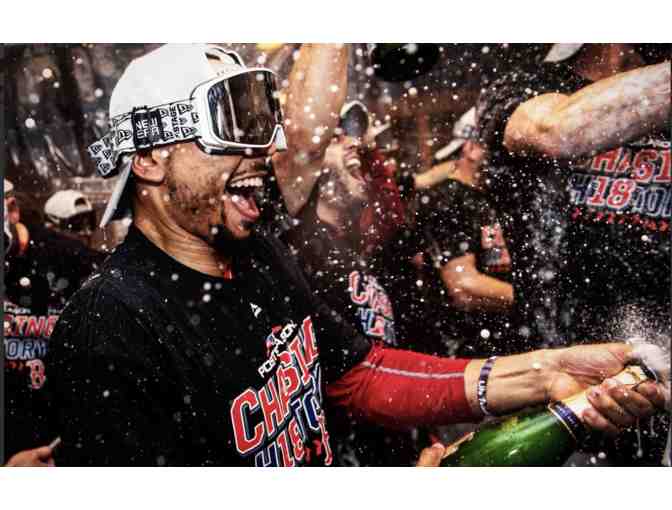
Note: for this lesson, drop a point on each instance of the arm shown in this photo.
(471, 290)
(434, 175)
(317, 90)
(401, 388)
(605, 114)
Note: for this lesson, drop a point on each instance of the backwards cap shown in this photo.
(463, 130)
(562, 51)
(65, 204)
(166, 75)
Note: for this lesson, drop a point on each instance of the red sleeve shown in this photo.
(402, 389)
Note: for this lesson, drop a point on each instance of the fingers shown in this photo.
(616, 406)
(633, 402)
(43, 453)
(431, 457)
(596, 421)
(651, 392)
(37, 457)
(602, 401)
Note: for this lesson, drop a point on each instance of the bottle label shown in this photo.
(568, 418)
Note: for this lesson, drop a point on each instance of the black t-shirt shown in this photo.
(452, 220)
(157, 364)
(343, 280)
(37, 285)
(589, 238)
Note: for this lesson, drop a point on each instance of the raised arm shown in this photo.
(603, 115)
(317, 90)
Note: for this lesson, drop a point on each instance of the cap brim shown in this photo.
(562, 51)
(113, 210)
(449, 149)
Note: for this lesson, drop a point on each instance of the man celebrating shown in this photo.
(327, 186)
(199, 343)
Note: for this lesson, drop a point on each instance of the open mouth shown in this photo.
(243, 190)
(355, 170)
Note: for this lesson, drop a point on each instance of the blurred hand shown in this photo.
(615, 406)
(431, 457)
(38, 457)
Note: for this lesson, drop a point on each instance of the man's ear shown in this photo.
(150, 166)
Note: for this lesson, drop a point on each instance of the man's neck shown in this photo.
(184, 247)
(598, 61)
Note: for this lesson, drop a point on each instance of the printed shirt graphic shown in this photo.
(281, 422)
(629, 185)
(374, 310)
(29, 319)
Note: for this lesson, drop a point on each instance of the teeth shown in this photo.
(253, 182)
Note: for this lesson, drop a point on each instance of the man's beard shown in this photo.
(227, 244)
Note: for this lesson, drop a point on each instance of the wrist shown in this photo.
(520, 381)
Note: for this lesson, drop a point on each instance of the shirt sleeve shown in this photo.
(104, 388)
(402, 389)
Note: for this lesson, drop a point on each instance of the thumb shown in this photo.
(43, 453)
(431, 457)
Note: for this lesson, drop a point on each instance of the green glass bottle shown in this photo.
(541, 436)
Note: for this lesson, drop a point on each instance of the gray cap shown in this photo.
(65, 204)
(463, 130)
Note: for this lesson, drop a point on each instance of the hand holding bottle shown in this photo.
(591, 386)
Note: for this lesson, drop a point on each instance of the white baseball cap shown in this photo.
(463, 130)
(165, 75)
(65, 204)
(9, 187)
(562, 51)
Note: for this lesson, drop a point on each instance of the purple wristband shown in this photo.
(482, 389)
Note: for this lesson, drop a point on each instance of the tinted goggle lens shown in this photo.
(355, 123)
(244, 109)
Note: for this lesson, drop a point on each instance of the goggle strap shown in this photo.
(144, 128)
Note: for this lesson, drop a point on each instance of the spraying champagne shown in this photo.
(542, 436)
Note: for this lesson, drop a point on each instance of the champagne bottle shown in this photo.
(541, 436)
(402, 61)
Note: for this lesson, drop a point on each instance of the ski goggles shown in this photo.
(236, 114)
(354, 120)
